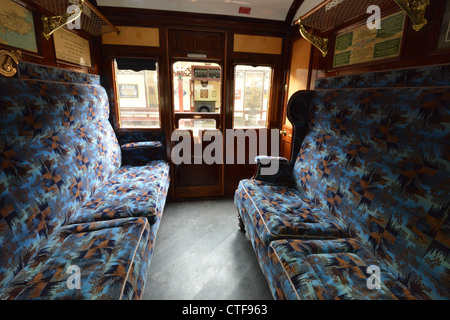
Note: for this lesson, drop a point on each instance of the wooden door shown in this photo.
(196, 60)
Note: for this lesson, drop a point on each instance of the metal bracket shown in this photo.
(6, 63)
(51, 24)
(318, 42)
(415, 9)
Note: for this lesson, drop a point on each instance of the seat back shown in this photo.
(56, 149)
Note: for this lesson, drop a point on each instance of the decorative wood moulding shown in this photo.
(318, 42)
(8, 61)
(415, 9)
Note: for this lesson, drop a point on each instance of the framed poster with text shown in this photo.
(365, 45)
(72, 48)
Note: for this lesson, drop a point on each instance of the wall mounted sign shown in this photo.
(128, 91)
(72, 48)
(365, 45)
(17, 26)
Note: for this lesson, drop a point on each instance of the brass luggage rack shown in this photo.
(69, 11)
(332, 13)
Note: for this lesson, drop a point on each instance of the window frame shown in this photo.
(278, 92)
(270, 99)
(115, 86)
(112, 52)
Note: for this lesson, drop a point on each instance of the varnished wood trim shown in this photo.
(155, 18)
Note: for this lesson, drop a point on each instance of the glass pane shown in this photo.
(197, 87)
(197, 124)
(138, 99)
(251, 96)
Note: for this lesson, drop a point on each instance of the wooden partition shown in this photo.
(227, 41)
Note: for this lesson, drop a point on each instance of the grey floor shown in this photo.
(201, 254)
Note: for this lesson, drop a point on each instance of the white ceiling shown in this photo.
(262, 9)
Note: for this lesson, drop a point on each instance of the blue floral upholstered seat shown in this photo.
(66, 201)
(367, 190)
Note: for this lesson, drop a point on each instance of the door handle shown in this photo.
(283, 132)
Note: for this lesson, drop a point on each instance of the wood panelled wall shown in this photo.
(46, 49)
(419, 48)
(225, 40)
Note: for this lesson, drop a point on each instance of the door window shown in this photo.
(197, 87)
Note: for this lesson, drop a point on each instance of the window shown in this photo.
(252, 87)
(197, 87)
(137, 93)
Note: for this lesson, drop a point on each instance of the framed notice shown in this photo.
(365, 45)
(72, 48)
(128, 91)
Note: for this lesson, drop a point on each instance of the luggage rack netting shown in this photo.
(337, 12)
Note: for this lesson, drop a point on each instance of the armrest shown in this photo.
(141, 145)
(265, 160)
(277, 170)
(141, 153)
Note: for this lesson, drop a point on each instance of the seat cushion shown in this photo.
(130, 192)
(109, 255)
(332, 269)
(281, 212)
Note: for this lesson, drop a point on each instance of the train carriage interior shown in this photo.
(247, 151)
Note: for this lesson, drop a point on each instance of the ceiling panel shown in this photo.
(262, 9)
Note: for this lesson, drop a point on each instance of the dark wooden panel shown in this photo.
(235, 173)
(197, 192)
(197, 175)
(187, 41)
(192, 179)
(157, 18)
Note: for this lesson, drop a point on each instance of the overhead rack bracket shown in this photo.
(67, 11)
(51, 24)
(318, 42)
(415, 9)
